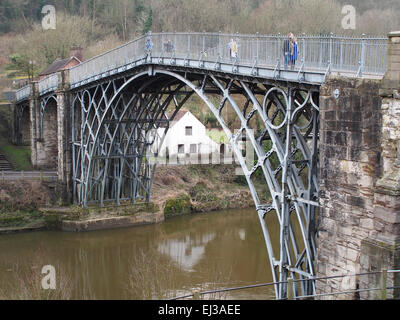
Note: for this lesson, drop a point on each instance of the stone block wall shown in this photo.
(350, 164)
(47, 147)
(382, 249)
(359, 229)
(64, 142)
(375, 256)
(25, 138)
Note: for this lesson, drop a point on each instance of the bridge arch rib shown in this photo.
(114, 125)
(21, 124)
(46, 102)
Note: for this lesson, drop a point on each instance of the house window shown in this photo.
(181, 148)
(189, 131)
(193, 148)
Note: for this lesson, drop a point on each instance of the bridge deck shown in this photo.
(257, 57)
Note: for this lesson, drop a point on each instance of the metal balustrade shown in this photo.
(23, 93)
(48, 84)
(357, 56)
(383, 290)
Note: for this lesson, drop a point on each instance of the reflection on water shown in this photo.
(186, 252)
(242, 234)
(220, 249)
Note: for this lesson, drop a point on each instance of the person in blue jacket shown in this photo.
(294, 52)
(148, 44)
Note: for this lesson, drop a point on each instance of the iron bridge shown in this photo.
(119, 99)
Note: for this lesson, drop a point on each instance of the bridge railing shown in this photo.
(355, 56)
(48, 83)
(109, 61)
(23, 93)
(318, 54)
(383, 290)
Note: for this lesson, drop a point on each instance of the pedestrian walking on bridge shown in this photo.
(234, 50)
(294, 52)
(286, 50)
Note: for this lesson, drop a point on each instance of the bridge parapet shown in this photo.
(256, 55)
(23, 93)
(316, 54)
(48, 84)
(391, 81)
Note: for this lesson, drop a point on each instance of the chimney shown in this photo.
(76, 52)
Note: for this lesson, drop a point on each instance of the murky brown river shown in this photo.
(181, 255)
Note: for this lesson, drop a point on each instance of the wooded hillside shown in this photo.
(128, 18)
(99, 25)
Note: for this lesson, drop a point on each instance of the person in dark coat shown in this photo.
(286, 50)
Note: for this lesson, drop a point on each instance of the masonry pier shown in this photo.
(360, 180)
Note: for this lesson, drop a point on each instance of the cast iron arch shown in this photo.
(285, 148)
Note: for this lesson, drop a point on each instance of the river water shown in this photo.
(184, 254)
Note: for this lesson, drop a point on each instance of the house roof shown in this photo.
(178, 116)
(58, 65)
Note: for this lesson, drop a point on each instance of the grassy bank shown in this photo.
(20, 202)
(201, 188)
(176, 190)
(18, 156)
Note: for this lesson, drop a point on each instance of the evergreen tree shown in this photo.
(149, 22)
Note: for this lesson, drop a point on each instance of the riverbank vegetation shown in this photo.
(20, 202)
(177, 190)
(202, 188)
(18, 156)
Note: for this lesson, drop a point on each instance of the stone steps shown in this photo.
(5, 165)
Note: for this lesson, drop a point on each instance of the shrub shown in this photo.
(241, 180)
(177, 206)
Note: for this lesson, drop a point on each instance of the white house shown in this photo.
(186, 137)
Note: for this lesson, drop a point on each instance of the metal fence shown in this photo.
(381, 290)
(23, 93)
(320, 54)
(49, 83)
(28, 175)
(326, 53)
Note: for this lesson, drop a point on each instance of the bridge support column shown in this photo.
(14, 123)
(382, 249)
(34, 106)
(64, 163)
(359, 228)
(349, 168)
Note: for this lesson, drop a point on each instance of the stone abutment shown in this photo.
(359, 228)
